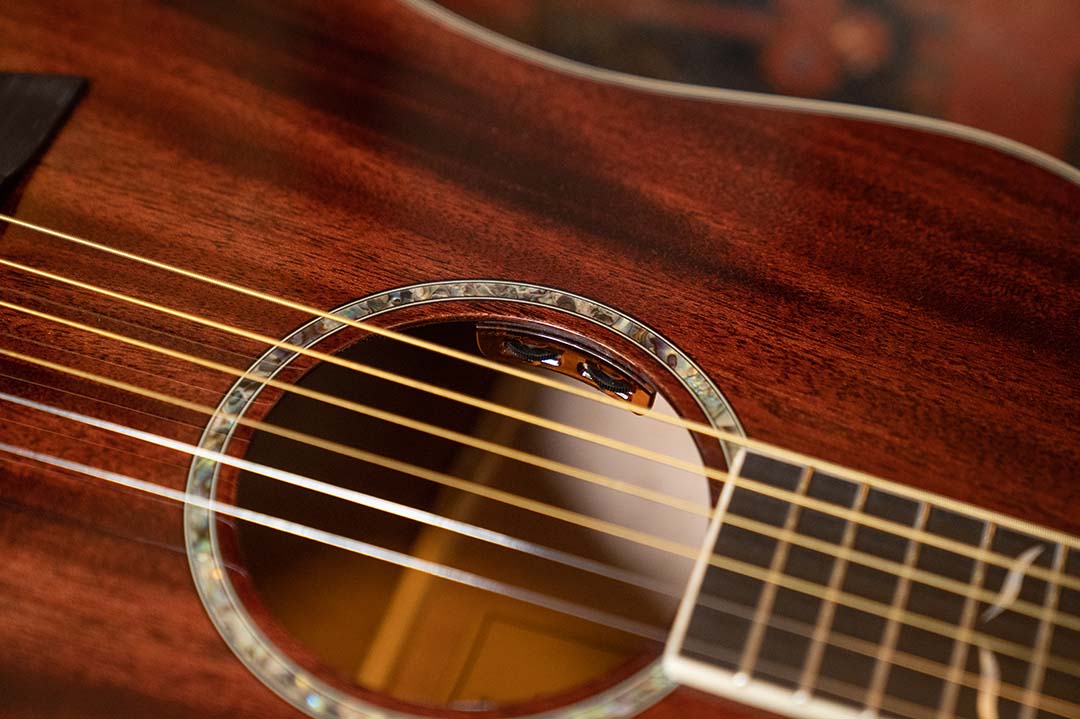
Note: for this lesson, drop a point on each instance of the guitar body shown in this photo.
(887, 298)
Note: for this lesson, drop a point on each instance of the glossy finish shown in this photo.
(939, 59)
(899, 302)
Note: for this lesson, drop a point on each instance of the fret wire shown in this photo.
(1037, 668)
(857, 645)
(770, 586)
(896, 609)
(958, 659)
(828, 606)
(922, 576)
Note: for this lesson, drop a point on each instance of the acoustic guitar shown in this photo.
(358, 363)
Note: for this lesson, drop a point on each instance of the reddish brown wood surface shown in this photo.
(895, 301)
(992, 64)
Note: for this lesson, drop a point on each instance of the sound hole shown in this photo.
(427, 641)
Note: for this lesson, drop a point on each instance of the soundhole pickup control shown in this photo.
(542, 349)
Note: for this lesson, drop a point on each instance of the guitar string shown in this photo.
(610, 483)
(569, 430)
(924, 577)
(867, 648)
(690, 425)
(929, 579)
(347, 543)
(842, 689)
(428, 518)
(102, 362)
(356, 497)
(97, 400)
(555, 426)
(926, 623)
(663, 545)
(103, 318)
(536, 420)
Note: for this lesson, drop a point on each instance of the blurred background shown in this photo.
(1008, 66)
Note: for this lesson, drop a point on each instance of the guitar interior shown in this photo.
(427, 641)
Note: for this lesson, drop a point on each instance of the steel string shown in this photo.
(855, 644)
(632, 490)
(924, 622)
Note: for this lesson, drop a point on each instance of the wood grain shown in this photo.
(898, 302)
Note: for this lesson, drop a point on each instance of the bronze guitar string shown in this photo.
(751, 485)
(843, 689)
(608, 529)
(792, 626)
(690, 425)
(855, 644)
(967, 510)
(617, 485)
(871, 607)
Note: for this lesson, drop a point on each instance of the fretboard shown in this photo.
(823, 596)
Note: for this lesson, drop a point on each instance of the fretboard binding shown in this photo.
(765, 694)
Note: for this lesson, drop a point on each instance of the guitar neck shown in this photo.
(826, 595)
